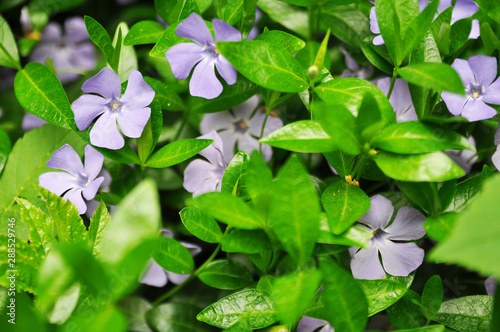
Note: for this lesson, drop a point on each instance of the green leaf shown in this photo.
(99, 37)
(107, 319)
(246, 241)
(127, 60)
(233, 11)
(167, 97)
(353, 237)
(258, 182)
(291, 17)
(228, 209)
(144, 32)
(255, 305)
(226, 274)
(371, 54)
(201, 225)
(308, 55)
(476, 247)
(383, 293)
(136, 308)
(439, 227)
(98, 223)
(41, 227)
(342, 162)
(468, 313)
(287, 41)
(345, 302)
(433, 75)
(432, 297)
(415, 137)
(150, 134)
(346, 23)
(173, 256)
(430, 167)
(9, 56)
(167, 40)
(301, 136)
(344, 204)
(175, 317)
(5, 146)
(65, 305)
(295, 211)
(235, 170)
(424, 194)
(265, 64)
(465, 193)
(187, 7)
(407, 312)
(177, 151)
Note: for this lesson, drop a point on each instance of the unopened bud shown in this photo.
(313, 71)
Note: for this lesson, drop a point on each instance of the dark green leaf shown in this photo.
(437, 76)
(246, 241)
(99, 36)
(465, 193)
(258, 182)
(468, 313)
(144, 32)
(176, 152)
(233, 11)
(342, 162)
(173, 256)
(201, 225)
(432, 297)
(424, 194)
(407, 314)
(150, 134)
(98, 223)
(226, 274)
(374, 57)
(346, 23)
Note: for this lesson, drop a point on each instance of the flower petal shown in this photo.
(374, 22)
(400, 259)
(475, 31)
(309, 324)
(138, 94)
(93, 162)
(204, 83)
(366, 265)
(83, 57)
(407, 225)
(247, 143)
(476, 110)
(176, 278)
(484, 68)
(75, 196)
(76, 31)
(132, 123)
(463, 9)
(105, 83)
(155, 276)
(56, 182)
(31, 121)
(379, 214)
(217, 121)
(214, 152)
(378, 40)
(167, 233)
(194, 27)
(464, 71)
(91, 189)
(52, 33)
(225, 32)
(455, 103)
(226, 70)
(273, 123)
(194, 249)
(491, 286)
(87, 108)
(496, 158)
(105, 133)
(183, 57)
(228, 138)
(200, 177)
(67, 159)
(492, 93)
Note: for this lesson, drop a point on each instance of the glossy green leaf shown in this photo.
(5, 146)
(344, 204)
(345, 301)
(301, 136)
(295, 211)
(255, 305)
(407, 313)
(226, 274)
(98, 223)
(440, 226)
(432, 297)
(235, 170)
(377, 60)
(258, 182)
(187, 7)
(353, 237)
(277, 37)
(342, 162)
(168, 98)
(9, 56)
(127, 60)
(151, 132)
(144, 32)
(228, 209)
(431, 167)
(465, 193)
(468, 313)
(266, 64)
(307, 56)
(175, 317)
(424, 194)
(201, 225)
(346, 23)
(99, 37)
(433, 75)
(246, 241)
(41, 227)
(233, 11)
(173, 256)
(176, 152)
(291, 17)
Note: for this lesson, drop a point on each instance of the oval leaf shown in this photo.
(176, 152)
(173, 256)
(226, 274)
(201, 225)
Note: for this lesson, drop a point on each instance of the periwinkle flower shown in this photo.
(31, 121)
(203, 55)
(309, 324)
(464, 158)
(71, 54)
(129, 109)
(477, 74)
(491, 286)
(398, 258)
(354, 69)
(158, 277)
(242, 126)
(202, 176)
(78, 180)
(400, 99)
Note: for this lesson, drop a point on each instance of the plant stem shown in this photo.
(393, 81)
(183, 124)
(268, 111)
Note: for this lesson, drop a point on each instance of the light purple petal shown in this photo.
(484, 68)
(93, 162)
(476, 110)
(400, 99)
(247, 143)
(229, 141)
(475, 31)
(350, 63)
(464, 71)
(464, 158)
(267, 152)
(204, 83)
(91, 189)
(155, 276)
(379, 214)
(273, 123)
(226, 70)
(217, 121)
(463, 9)
(400, 259)
(84, 58)
(167, 233)
(105, 133)
(366, 265)
(52, 33)
(76, 31)
(201, 177)
(496, 140)
(491, 286)
(138, 93)
(492, 93)
(132, 122)
(194, 249)
(496, 158)
(75, 196)
(455, 103)
(31, 121)
(245, 110)
(407, 225)
(176, 278)
(106, 83)
(374, 22)
(443, 4)
(57, 182)
(225, 32)
(195, 28)
(87, 108)
(67, 159)
(309, 324)
(183, 57)
(378, 40)
(214, 152)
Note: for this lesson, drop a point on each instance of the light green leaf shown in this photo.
(99, 37)
(235, 171)
(173, 256)
(289, 16)
(226, 274)
(437, 76)
(144, 32)
(98, 223)
(41, 227)
(9, 56)
(176, 152)
(432, 297)
(407, 312)
(127, 62)
(201, 225)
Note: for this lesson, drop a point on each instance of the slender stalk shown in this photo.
(183, 124)
(393, 81)
(359, 168)
(268, 111)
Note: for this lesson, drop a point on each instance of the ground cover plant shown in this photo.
(249, 165)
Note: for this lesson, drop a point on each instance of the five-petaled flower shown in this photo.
(202, 176)
(477, 74)
(129, 110)
(203, 54)
(242, 125)
(78, 180)
(399, 259)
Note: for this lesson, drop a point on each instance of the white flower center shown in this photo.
(115, 105)
(476, 94)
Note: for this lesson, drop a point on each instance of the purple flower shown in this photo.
(477, 74)
(399, 259)
(354, 69)
(242, 125)
(31, 121)
(496, 158)
(309, 324)
(202, 176)
(203, 55)
(378, 40)
(158, 277)
(78, 180)
(129, 110)
(491, 286)
(71, 54)
(464, 158)
(400, 99)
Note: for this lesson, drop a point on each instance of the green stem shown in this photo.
(183, 124)
(359, 168)
(268, 111)
(393, 81)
